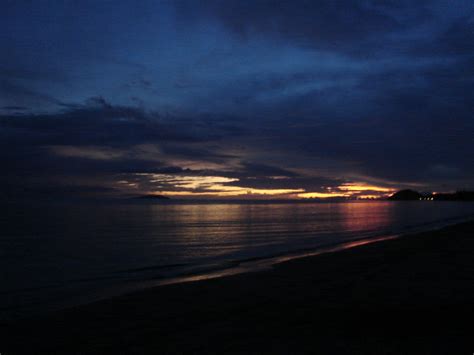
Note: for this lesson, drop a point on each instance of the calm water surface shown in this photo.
(56, 255)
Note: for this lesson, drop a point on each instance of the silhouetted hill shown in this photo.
(405, 195)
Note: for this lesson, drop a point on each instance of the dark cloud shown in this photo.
(270, 94)
(99, 124)
(259, 170)
(96, 139)
(313, 183)
(13, 94)
(14, 108)
(455, 40)
(337, 25)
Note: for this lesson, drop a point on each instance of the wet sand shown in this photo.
(411, 295)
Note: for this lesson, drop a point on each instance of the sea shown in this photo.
(58, 255)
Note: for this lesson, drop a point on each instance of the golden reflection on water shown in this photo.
(355, 214)
(362, 216)
(244, 220)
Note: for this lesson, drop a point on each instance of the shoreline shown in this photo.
(319, 285)
(259, 264)
(235, 267)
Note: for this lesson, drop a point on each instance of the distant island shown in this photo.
(152, 197)
(406, 195)
(411, 195)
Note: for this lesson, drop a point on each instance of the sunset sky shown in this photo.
(235, 98)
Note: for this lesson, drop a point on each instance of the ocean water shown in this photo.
(58, 255)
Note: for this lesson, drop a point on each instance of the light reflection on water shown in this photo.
(368, 216)
(59, 254)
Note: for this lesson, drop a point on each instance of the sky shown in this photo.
(235, 98)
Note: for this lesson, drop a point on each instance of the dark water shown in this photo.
(55, 255)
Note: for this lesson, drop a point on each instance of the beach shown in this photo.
(410, 295)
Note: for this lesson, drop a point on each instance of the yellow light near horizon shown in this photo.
(355, 187)
(368, 197)
(230, 191)
(213, 186)
(221, 186)
(322, 195)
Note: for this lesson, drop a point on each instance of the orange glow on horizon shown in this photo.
(221, 186)
(353, 190)
(368, 197)
(364, 187)
(229, 191)
(322, 195)
(212, 186)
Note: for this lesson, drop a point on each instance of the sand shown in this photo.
(412, 295)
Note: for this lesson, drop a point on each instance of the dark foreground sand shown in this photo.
(413, 295)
